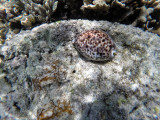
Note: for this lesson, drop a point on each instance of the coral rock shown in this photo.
(126, 88)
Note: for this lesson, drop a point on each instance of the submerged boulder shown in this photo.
(43, 76)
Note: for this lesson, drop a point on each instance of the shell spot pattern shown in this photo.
(95, 45)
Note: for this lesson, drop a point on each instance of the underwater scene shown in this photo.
(79, 59)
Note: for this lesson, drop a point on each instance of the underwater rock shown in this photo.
(43, 77)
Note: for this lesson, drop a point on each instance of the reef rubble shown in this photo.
(42, 76)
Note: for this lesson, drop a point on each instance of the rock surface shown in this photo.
(43, 77)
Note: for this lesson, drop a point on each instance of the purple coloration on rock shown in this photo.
(95, 45)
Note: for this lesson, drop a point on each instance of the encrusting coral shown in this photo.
(17, 14)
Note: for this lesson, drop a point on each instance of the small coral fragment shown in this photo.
(50, 73)
(97, 5)
(52, 111)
